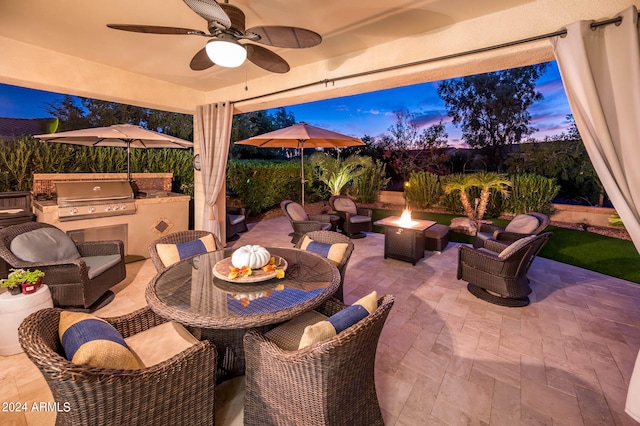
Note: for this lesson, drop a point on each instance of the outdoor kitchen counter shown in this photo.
(157, 214)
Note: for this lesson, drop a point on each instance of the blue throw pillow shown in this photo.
(89, 340)
(172, 253)
(339, 321)
(333, 252)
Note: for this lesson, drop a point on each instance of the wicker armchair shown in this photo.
(178, 391)
(327, 383)
(68, 279)
(301, 222)
(177, 238)
(236, 222)
(497, 273)
(330, 237)
(508, 232)
(353, 219)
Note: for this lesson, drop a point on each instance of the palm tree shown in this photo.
(488, 181)
(461, 183)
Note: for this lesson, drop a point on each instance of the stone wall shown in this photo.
(44, 183)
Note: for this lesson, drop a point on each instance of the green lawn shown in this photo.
(607, 255)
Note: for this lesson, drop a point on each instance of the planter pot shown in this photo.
(15, 290)
(28, 288)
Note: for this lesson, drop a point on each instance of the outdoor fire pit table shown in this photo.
(196, 293)
(404, 241)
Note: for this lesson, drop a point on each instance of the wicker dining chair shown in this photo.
(327, 383)
(177, 391)
(331, 237)
(178, 238)
(497, 272)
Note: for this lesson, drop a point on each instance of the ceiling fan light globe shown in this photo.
(226, 52)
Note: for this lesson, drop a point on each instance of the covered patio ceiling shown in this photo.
(66, 47)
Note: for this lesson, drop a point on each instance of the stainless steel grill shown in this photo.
(88, 199)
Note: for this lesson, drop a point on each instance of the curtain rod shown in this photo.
(326, 82)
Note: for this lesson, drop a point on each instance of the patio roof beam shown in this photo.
(326, 82)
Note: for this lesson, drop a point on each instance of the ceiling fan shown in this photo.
(226, 28)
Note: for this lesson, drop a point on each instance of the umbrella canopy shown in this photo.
(302, 135)
(122, 135)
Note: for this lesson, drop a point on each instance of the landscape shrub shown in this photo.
(531, 193)
(423, 190)
(368, 184)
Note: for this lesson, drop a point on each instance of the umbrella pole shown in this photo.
(302, 172)
(129, 161)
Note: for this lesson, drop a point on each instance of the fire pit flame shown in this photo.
(405, 219)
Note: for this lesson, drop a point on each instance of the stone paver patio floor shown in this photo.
(446, 357)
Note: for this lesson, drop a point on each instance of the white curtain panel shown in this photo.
(212, 132)
(600, 70)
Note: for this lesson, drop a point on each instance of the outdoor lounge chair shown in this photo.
(327, 383)
(523, 225)
(497, 272)
(179, 390)
(353, 219)
(327, 238)
(301, 222)
(78, 274)
(236, 222)
(180, 238)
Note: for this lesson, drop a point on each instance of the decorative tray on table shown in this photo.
(222, 268)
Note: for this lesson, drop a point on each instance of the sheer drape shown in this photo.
(600, 70)
(212, 127)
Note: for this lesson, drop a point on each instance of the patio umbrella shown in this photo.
(123, 135)
(302, 135)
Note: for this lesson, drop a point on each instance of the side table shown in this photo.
(14, 309)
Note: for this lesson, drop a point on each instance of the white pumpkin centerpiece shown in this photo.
(253, 256)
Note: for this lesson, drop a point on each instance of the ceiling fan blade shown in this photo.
(279, 36)
(266, 59)
(152, 29)
(210, 10)
(201, 61)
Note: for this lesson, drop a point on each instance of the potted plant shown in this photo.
(23, 281)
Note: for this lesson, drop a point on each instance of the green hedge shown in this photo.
(263, 184)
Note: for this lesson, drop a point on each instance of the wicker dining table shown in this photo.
(221, 309)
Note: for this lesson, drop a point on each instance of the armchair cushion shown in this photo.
(523, 224)
(172, 253)
(359, 219)
(333, 252)
(345, 205)
(98, 264)
(235, 219)
(89, 340)
(160, 343)
(515, 246)
(44, 245)
(297, 213)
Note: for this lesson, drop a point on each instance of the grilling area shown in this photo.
(105, 206)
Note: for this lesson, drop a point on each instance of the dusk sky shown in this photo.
(358, 115)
